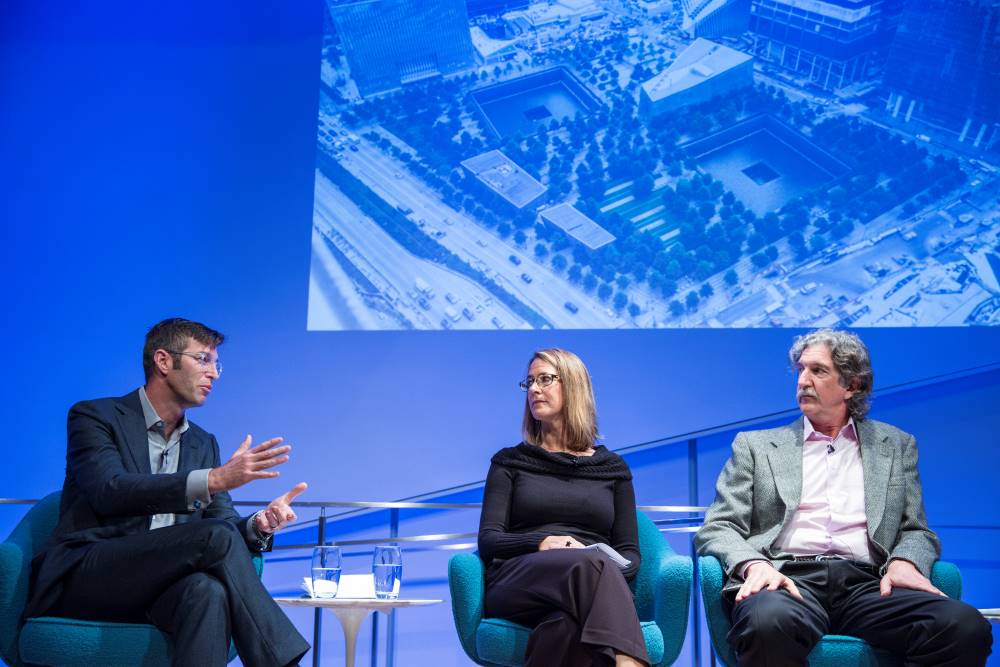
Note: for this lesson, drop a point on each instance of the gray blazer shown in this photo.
(761, 485)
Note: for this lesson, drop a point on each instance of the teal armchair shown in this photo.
(662, 590)
(832, 650)
(49, 640)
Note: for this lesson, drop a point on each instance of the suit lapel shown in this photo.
(189, 445)
(133, 425)
(785, 458)
(876, 460)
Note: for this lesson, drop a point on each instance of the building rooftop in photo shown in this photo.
(848, 11)
(576, 224)
(542, 14)
(501, 175)
(698, 63)
(489, 47)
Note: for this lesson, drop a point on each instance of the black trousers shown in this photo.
(577, 602)
(771, 628)
(194, 581)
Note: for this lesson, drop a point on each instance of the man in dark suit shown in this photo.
(821, 529)
(147, 532)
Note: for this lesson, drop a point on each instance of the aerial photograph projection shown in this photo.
(593, 164)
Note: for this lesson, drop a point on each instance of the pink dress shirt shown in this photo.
(831, 516)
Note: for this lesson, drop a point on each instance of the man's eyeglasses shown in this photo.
(204, 359)
(543, 380)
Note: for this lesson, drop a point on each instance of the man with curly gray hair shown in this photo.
(849, 358)
(820, 527)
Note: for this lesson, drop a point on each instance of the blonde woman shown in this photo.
(545, 500)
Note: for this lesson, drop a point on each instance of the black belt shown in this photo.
(819, 558)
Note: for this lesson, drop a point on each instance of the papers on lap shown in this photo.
(618, 559)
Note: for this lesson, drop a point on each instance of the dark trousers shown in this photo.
(194, 581)
(577, 602)
(771, 628)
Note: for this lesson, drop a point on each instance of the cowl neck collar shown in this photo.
(603, 464)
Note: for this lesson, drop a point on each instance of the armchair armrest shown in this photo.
(713, 578)
(947, 577)
(258, 562)
(467, 584)
(672, 603)
(14, 567)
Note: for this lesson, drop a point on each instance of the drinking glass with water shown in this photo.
(387, 566)
(325, 572)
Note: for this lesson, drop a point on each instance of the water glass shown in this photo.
(387, 567)
(325, 572)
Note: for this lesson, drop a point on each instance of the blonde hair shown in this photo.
(579, 409)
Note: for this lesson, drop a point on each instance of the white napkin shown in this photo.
(352, 586)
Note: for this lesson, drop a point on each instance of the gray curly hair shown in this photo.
(850, 358)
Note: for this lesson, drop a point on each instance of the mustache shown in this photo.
(805, 393)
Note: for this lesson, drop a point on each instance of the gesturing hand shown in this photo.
(904, 574)
(279, 512)
(761, 575)
(247, 464)
(559, 542)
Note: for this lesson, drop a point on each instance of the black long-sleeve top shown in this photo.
(532, 493)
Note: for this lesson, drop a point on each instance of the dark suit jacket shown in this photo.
(109, 490)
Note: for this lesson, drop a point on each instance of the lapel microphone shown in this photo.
(165, 456)
(830, 449)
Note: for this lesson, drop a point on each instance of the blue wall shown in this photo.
(159, 160)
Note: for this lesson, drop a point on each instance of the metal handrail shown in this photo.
(386, 504)
(430, 537)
